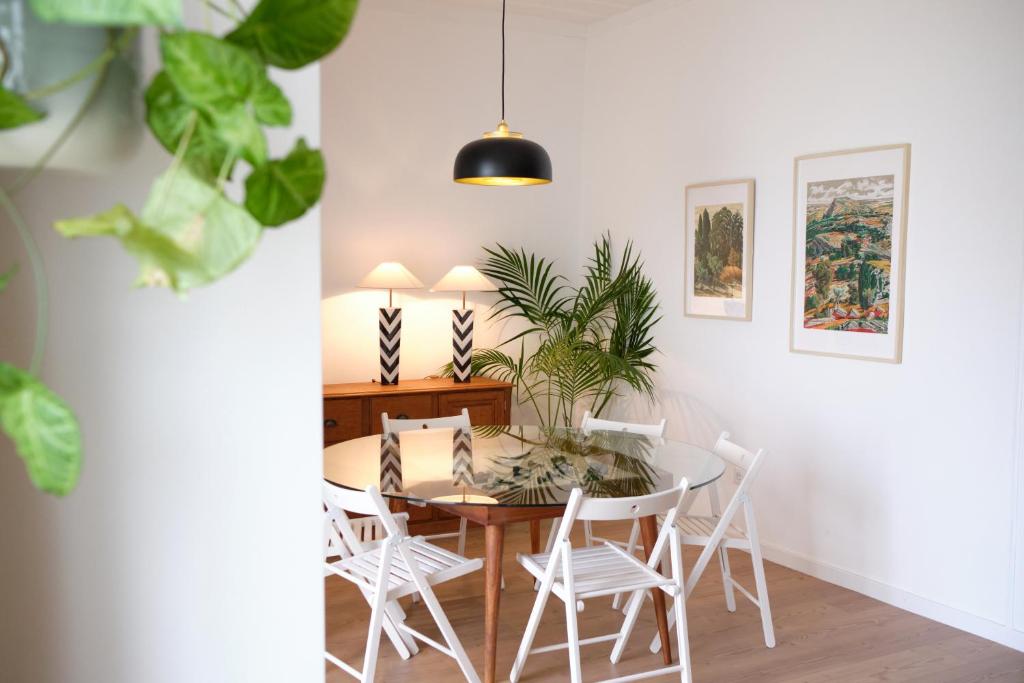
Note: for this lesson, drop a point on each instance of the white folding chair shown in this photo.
(592, 424)
(717, 534)
(460, 421)
(367, 533)
(574, 575)
(397, 565)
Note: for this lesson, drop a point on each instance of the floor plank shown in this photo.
(825, 633)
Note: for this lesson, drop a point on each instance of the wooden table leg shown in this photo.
(534, 536)
(494, 539)
(649, 532)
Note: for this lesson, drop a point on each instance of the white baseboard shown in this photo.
(944, 614)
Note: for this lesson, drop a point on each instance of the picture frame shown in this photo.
(719, 222)
(848, 274)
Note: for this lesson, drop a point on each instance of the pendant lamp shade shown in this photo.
(501, 157)
(504, 159)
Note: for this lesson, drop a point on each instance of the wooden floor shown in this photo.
(825, 633)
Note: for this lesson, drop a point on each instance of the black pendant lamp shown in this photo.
(502, 157)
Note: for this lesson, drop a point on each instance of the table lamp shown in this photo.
(463, 279)
(390, 276)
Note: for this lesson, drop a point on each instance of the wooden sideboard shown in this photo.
(353, 410)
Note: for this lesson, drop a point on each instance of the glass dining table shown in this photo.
(498, 475)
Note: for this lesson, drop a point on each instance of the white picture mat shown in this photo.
(840, 165)
(728, 192)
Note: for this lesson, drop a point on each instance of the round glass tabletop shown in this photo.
(517, 465)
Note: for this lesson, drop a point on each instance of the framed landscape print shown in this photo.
(719, 249)
(849, 251)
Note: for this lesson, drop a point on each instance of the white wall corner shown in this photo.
(944, 614)
(1016, 592)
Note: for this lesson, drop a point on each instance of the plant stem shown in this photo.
(29, 175)
(6, 56)
(220, 10)
(113, 49)
(38, 275)
(179, 157)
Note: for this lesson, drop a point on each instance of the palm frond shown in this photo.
(590, 343)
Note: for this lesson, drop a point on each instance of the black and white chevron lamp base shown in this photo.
(462, 344)
(390, 464)
(390, 343)
(462, 457)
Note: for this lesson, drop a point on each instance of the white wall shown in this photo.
(413, 83)
(897, 480)
(189, 551)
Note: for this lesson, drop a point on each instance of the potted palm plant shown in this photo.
(579, 347)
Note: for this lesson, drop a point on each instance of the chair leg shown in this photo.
(393, 617)
(450, 637)
(634, 533)
(377, 615)
(462, 536)
(588, 533)
(682, 637)
(396, 616)
(530, 633)
(633, 605)
(551, 542)
(730, 594)
(441, 619)
(762, 586)
(571, 626)
(679, 612)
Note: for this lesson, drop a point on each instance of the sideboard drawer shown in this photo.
(343, 419)
(400, 407)
(485, 407)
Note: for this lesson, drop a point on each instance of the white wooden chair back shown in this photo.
(611, 509)
(592, 424)
(399, 425)
(356, 534)
(608, 509)
(735, 454)
(747, 462)
(725, 535)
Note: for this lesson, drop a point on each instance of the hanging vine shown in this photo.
(209, 106)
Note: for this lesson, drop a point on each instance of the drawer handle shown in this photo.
(328, 423)
(402, 416)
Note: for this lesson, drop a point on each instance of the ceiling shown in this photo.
(571, 11)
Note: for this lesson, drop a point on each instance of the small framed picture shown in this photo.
(849, 253)
(719, 249)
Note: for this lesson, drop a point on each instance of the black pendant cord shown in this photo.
(503, 60)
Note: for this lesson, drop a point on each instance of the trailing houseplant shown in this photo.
(579, 347)
(208, 106)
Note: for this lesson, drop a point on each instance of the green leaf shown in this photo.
(169, 117)
(208, 70)
(5, 278)
(283, 189)
(109, 12)
(189, 233)
(15, 111)
(227, 85)
(293, 33)
(43, 429)
(269, 104)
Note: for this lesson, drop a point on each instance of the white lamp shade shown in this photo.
(464, 279)
(391, 275)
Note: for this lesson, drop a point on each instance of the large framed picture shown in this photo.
(849, 253)
(719, 249)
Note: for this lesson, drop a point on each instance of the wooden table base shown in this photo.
(494, 540)
(649, 532)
